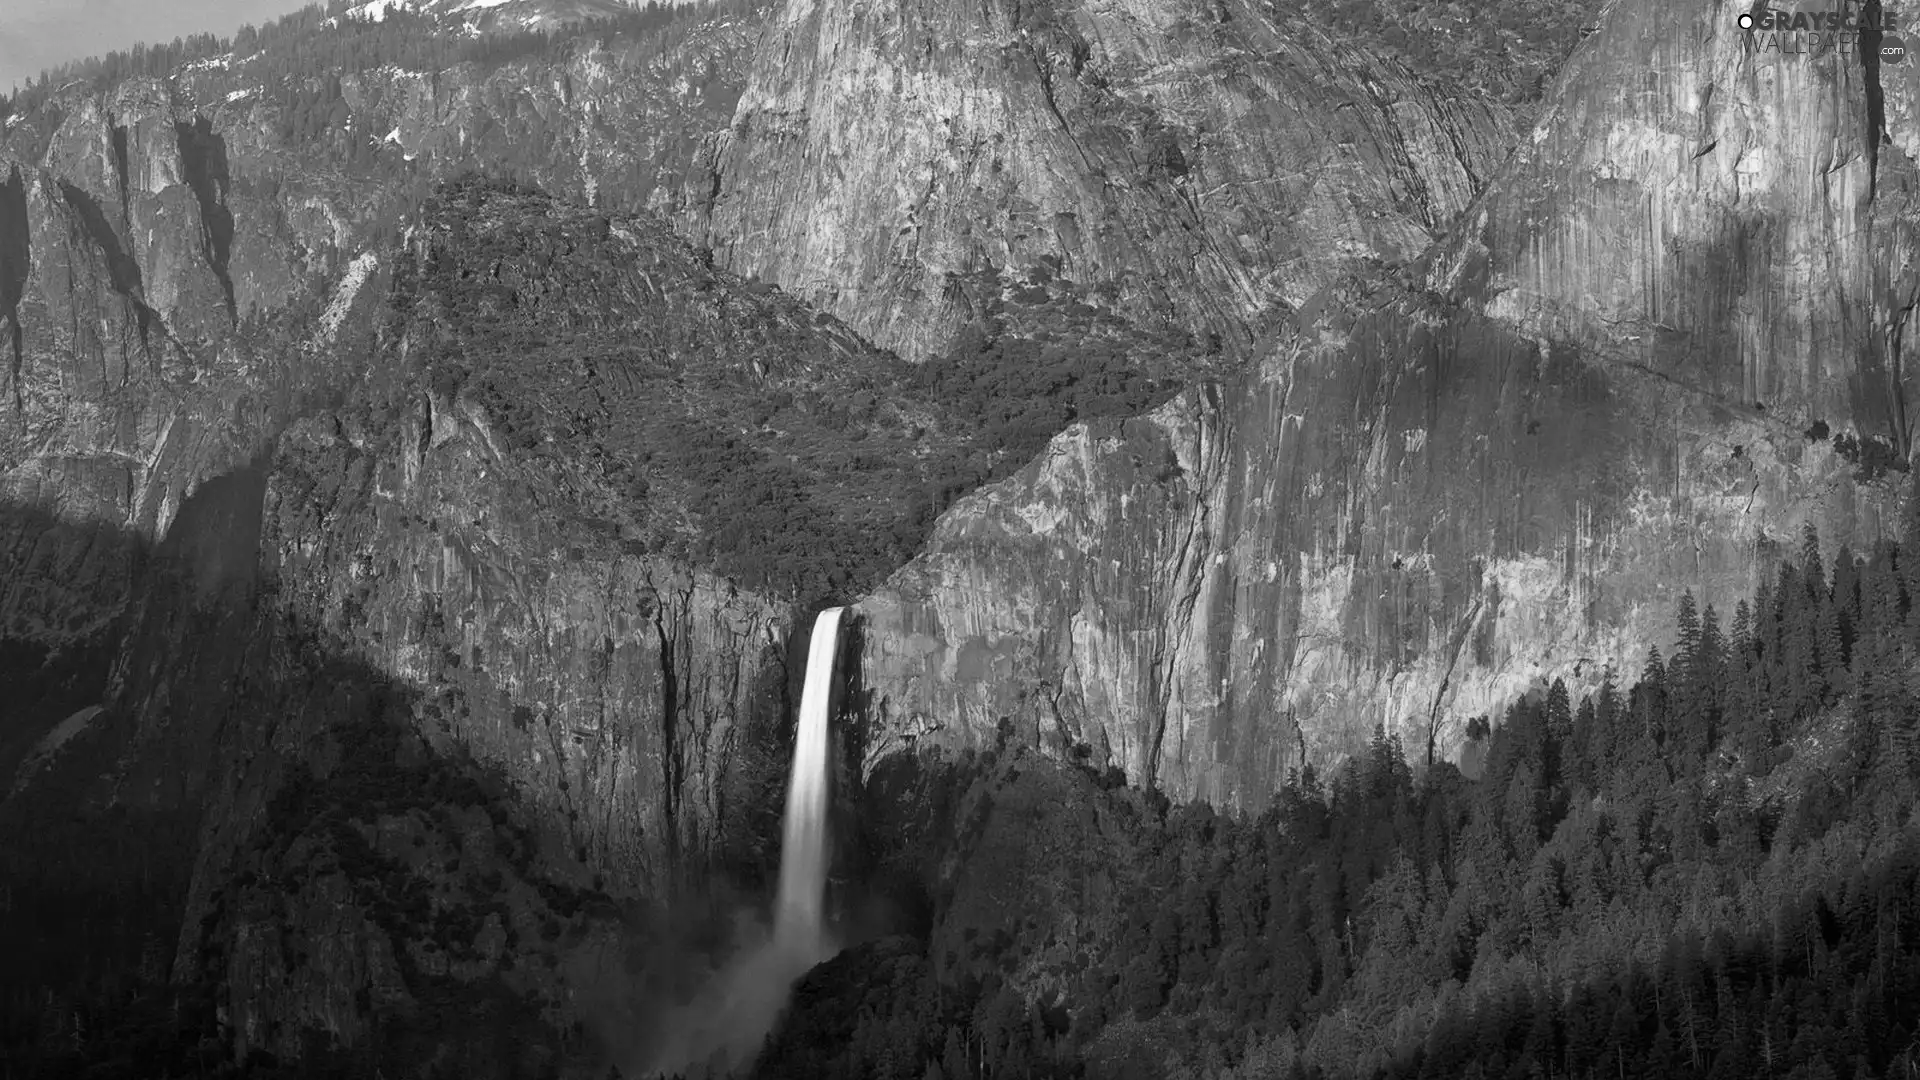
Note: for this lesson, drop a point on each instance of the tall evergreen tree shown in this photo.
(1846, 584)
(1558, 748)
(1879, 595)
(1710, 679)
(1687, 616)
(1766, 622)
(1608, 714)
(1812, 568)
(1742, 633)
(1830, 646)
(1909, 570)
(1584, 769)
(1651, 698)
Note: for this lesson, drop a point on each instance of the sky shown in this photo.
(38, 34)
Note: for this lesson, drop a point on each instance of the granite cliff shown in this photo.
(1668, 335)
(1204, 164)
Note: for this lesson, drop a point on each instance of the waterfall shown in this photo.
(722, 1028)
(798, 926)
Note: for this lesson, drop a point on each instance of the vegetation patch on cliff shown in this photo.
(721, 421)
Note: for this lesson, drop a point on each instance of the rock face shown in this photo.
(1735, 219)
(1192, 158)
(604, 687)
(452, 558)
(1422, 505)
(183, 263)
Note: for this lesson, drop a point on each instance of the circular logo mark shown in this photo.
(1745, 20)
(1892, 49)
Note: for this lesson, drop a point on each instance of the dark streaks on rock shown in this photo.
(1876, 132)
(670, 735)
(203, 157)
(123, 272)
(16, 265)
(117, 133)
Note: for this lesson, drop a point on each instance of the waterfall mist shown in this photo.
(722, 1028)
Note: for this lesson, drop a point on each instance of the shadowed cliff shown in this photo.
(226, 841)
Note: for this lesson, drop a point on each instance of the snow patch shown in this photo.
(50, 744)
(350, 283)
(240, 95)
(393, 136)
(376, 10)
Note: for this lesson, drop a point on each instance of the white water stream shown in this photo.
(798, 927)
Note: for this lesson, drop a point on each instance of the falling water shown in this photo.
(803, 854)
(720, 1031)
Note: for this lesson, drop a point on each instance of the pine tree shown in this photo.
(1652, 696)
(1812, 567)
(1714, 658)
(1795, 673)
(1584, 767)
(1879, 595)
(1766, 622)
(1607, 722)
(1846, 584)
(1830, 645)
(1708, 677)
(1558, 750)
(1688, 644)
(1742, 642)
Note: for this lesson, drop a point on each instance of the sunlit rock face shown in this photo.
(1203, 165)
(1424, 504)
